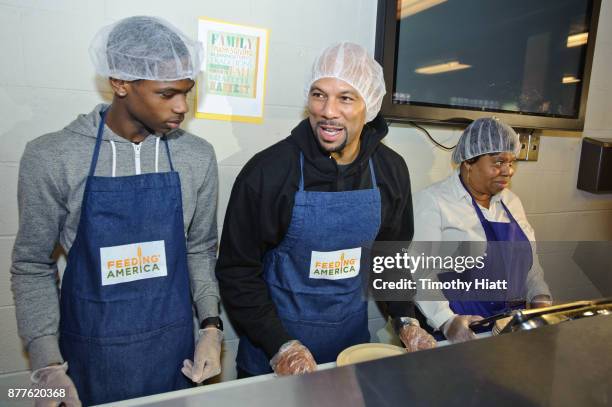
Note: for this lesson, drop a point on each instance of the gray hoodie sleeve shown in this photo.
(202, 245)
(34, 270)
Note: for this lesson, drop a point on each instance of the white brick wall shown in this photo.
(46, 80)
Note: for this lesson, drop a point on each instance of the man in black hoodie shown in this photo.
(298, 215)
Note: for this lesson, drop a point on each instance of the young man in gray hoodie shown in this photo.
(131, 199)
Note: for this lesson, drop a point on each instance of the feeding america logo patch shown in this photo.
(335, 265)
(131, 262)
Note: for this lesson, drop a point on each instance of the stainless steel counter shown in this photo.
(569, 364)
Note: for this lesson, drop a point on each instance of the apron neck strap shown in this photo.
(301, 171)
(488, 229)
(168, 152)
(372, 174)
(96, 153)
(508, 212)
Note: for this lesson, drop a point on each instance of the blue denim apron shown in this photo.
(510, 262)
(128, 339)
(326, 315)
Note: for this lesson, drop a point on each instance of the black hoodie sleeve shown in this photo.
(405, 233)
(398, 221)
(256, 220)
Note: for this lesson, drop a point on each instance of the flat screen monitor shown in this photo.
(451, 61)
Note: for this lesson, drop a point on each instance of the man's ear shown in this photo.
(119, 86)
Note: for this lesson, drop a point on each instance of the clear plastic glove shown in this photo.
(55, 377)
(293, 358)
(207, 358)
(416, 338)
(457, 329)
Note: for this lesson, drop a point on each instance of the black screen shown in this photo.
(514, 55)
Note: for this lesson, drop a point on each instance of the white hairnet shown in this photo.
(352, 64)
(143, 47)
(484, 136)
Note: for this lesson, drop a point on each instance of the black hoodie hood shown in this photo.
(304, 138)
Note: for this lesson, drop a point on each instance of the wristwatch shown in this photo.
(216, 321)
(398, 322)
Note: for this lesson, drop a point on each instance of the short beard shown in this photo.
(336, 149)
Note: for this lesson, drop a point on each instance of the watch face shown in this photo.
(215, 321)
(399, 322)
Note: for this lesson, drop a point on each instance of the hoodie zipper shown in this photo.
(137, 157)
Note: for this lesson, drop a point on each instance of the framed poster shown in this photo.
(231, 85)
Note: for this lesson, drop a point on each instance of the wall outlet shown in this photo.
(524, 140)
(534, 148)
(530, 147)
